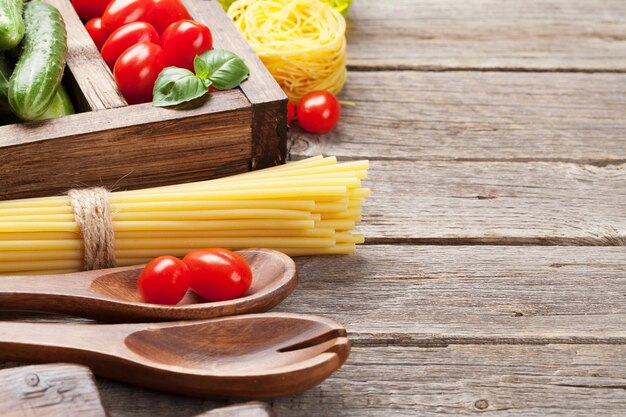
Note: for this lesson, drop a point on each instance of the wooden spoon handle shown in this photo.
(47, 342)
(63, 293)
(43, 292)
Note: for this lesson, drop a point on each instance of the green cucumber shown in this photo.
(61, 105)
(39, 69)
(11, 23)
(5, 73)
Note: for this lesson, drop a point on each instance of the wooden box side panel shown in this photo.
(126, 148)
(89, 71)
(269, 102)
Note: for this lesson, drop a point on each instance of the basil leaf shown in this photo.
(225, 69)
(175, 86)
(201, 67)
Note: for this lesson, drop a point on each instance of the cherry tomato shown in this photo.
(167, 12)
(183, 40)
(121, 12)
(291, 111)
(126, 36)
(165, 280)
(98, 34)
(218, 274)
(318, 112)
(137, 69)
(88, 9)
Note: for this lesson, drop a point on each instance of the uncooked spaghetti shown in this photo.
(301, 42)
(308, 207)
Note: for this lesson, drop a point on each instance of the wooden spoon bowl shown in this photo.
(112, 295)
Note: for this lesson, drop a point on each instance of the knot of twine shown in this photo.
(93, 216)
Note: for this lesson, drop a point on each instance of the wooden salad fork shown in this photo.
(111, 294)
(249, 356)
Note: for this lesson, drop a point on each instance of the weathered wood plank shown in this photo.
(502, 380)
(550, 35)
(495, 203)
(438, 295)
(572, 380)
(477, 116)
(56, 390)
(530, 331)
(424, 296)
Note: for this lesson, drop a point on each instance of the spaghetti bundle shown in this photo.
(301, 42)
(307, 207)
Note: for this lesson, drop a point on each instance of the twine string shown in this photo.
(92, 213)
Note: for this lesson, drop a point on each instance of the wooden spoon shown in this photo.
(112, 295)
(250, 356)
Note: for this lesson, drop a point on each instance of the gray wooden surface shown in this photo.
(493, 278)
(456, 305)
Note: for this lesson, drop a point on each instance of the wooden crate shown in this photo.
(119, 146)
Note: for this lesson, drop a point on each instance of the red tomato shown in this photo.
(88, 9)
(167, 12)
(120, 12)
(183, 40)
(218, 274)
(165, 280)
(291, 111)
(98, 34)
(125, 37)
(137, 69)
(318, 112)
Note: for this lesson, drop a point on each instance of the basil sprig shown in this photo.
(218, 68)
(175, 86)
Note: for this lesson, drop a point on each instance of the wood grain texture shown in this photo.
(477, 116)
(513, 331)
(536, 381)
(269, 102)
(122, 149)
(441, 330)
(495, 203)
(535, 35)
(438, 295)
(90, 74)
(58, 390)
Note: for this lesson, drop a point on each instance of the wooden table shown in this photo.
(493, 278)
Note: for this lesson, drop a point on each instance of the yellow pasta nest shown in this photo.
(301, 42)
